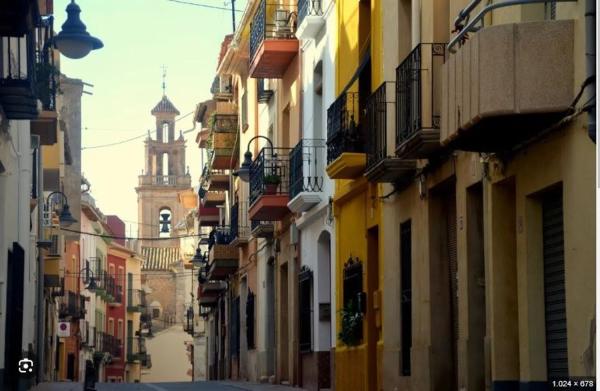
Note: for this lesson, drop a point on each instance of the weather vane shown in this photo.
(164, 77)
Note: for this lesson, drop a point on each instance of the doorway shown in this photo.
(283, 325)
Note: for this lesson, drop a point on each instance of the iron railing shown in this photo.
(136, 299)
(239, 220)
(269, 173)
(272, 21)
(71, 305)
(45, 72)
(108, 343)
(263, 94)
(308, 7)
(343, 134)
(417, 107)
(219, 235)
(306, 166)
(376, 121)
(136, 348)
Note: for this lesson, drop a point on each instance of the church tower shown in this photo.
(163, 177)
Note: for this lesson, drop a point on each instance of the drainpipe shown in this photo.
(41, 302)
(590, 59)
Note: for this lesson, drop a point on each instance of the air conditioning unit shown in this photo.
(294, 234)
(283, 28)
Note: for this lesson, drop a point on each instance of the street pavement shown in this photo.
(170, 362)
(174, 386)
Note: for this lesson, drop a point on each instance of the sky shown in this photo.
(140, 36)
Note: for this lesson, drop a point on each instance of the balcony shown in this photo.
(218, 180)
(269, 185)
(383, 166)
(52, 258)
(307, 164)
(212, 199)
(263, 92)
(273, 45)
(136, 349)
(240, 229)
(223, 149)
(418, 101)
(136, 300)
(108, 344)
(345, 145)
(506, 83)
(71, 306)
(108, 289)
(208, 217)
(164, 180)
(208, 293)
(222, 255)
(310, 19)
(262, 229)
(45, 85)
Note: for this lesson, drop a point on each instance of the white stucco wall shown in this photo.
(316, 221)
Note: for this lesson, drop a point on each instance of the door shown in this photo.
(554, 286)
(13, 338)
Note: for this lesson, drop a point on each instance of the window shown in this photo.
(305, 281)
(165, 165)
(111, 326)
(405, 296)
(120, 329)
(155, 312)
(353, 287)
(165, 132)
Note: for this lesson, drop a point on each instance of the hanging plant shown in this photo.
(351, 328)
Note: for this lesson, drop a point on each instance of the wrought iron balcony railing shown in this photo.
(239, 220)
(71, 305)
(343, 133)
(45, 72)
(136, 299)
(376, 121)
(109, 344)
(263, 94)
(308, 7)
(307, 166)
(136, 348)
(269, 173)
(219, 235)
(417, 108)
(272, 21)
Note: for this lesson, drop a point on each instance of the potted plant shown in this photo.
(351, 328)
(271, 182)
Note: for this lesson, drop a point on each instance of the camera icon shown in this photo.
(25, 366)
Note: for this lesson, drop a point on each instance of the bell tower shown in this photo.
(163, 177)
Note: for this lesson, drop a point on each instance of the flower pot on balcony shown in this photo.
(270, 188)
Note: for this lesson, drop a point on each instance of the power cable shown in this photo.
(202, 5)
(132, 237)
(132, 138)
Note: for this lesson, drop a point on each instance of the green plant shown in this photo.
(272, 179)
(46, 83)
(351, 328)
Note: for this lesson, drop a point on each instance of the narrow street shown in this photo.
(169, 359)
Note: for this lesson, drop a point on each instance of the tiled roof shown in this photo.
(159, 258)
(165, 106)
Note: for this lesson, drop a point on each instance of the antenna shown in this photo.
(164, 77)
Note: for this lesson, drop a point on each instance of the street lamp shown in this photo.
(65, 218)
(74, 41)
(244, 171)
(92, 286)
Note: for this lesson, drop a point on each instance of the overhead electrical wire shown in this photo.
(130, 139)
(203, 5)
(132, 237)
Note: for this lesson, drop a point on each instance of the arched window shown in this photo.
(164, 222)
(165, 132)
(165, 164)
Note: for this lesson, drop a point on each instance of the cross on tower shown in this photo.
(164, 77)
